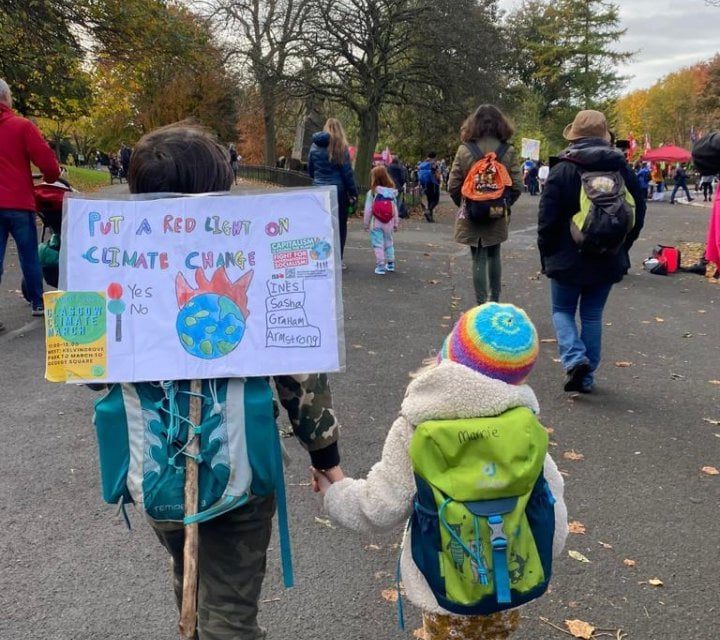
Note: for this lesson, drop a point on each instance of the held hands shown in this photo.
(321, 480)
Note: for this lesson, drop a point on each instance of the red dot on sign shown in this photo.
(115, 291)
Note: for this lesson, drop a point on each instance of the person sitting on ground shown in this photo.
(480, 374)
(579, 276)
(20, 144)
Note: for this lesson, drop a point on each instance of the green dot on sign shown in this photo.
(187, 339)
(225, 347)
(116, 307)
(230, 330)
(190, 321)
(80, 316)
(202, 314)
(206, 347)
(97, 370)
(211, 329)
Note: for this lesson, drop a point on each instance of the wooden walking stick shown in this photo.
(188, 613)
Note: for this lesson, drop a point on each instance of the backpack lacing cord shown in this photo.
(176, 418)
(477, 557)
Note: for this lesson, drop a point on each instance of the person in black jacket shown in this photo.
(329, 164)
(578, 278)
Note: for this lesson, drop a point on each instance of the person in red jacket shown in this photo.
(20, 144)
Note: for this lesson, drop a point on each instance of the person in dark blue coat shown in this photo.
(329, 164)
(577, 278)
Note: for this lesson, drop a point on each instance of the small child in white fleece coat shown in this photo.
(474, 378)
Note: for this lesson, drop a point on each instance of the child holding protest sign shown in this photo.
(381, 218)
(183, 158)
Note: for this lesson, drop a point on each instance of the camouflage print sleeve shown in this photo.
(308, 402)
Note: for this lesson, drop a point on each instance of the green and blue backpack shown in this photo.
(484, 517)
(142, 432)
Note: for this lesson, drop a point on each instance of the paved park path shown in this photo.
(70, 570)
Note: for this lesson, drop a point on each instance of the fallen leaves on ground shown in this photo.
(629, 563)
(573, 455)
(550, 430)
(711, 421)
(433, 281)
(419, 634)
(576, 527)
(325, 522)
(576, 555)
(659, 319)
(710, 471)
(714, 381)
(389, 595)
(623, 364)
(372, 547)
(605, 545)
(654, 582)
(580, 629)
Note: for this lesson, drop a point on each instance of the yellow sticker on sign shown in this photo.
(75, 335)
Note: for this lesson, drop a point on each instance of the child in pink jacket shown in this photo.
(381, 218)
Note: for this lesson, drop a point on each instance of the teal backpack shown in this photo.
(142, 432)
(484, 517)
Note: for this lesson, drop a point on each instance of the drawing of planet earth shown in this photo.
(320, 250)
(210, 326)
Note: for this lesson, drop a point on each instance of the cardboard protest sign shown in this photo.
(530, 149)
(196, 287)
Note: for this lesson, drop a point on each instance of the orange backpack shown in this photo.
(485, 185)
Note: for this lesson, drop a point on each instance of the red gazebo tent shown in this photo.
(667, 153)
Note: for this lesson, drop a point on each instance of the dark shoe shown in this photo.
(587, 388)
(38, 311)
(691, 199)
(576, 375)
(429, 216)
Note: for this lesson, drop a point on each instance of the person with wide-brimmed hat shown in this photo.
(580, 278)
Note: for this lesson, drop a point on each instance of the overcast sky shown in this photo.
(666, 34)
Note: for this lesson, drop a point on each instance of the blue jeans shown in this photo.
(575, 348)
(675, 190)
(21, 226)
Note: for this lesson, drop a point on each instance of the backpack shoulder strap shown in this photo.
(474, 149)
(501, 151)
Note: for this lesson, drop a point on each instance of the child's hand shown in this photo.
(322, 480)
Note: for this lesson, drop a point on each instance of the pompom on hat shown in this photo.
(497, 340)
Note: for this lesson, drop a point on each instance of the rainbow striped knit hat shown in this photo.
(497, 340)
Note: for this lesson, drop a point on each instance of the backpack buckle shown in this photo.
(498, 539)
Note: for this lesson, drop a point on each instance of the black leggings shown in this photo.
(343, 206)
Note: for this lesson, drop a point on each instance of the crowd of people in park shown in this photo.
(473, 400)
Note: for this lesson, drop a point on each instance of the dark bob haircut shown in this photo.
(487, 120)
(179, 158)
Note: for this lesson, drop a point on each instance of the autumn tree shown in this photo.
(168, 69)
(262, 37)
(565, 59)
(367, 55)
(41, 55)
